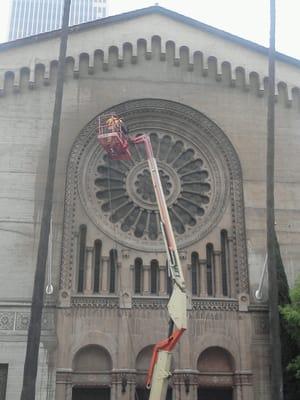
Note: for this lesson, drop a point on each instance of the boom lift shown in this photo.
(113, 136)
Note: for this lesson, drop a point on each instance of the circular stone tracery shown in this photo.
(194, 169)
(124, 188)
(140, 187)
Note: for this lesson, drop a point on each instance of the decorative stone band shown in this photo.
(216, 379)
(151, 303)
(95, 302)
(134, 377)
(19, 321)
(215, 305)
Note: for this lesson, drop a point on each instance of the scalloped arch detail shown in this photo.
(115, 57)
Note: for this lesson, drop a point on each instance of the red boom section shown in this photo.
(165, 345)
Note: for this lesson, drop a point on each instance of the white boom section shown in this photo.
(178, 302)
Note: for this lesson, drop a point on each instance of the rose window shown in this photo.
(124, 191)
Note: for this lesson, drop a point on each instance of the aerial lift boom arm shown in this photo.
(115, 140)
(159, 371)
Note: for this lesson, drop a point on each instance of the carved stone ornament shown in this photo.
(199, 170)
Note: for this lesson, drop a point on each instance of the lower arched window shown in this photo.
(210, 269)
(113, 259)
(138, 267)
(154, 270)
(224, 261)
(195, 273)
(81, 258)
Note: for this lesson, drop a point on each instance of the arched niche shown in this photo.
(215, 360)
(93, 359)
(143, 359)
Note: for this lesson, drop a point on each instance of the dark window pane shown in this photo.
(138, 264)
(81, 269)
(154, 276)
(113, 259)
(209, 260)
(97, 265)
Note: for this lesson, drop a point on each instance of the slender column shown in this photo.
(104, 277)
(218, 274)
(113, 391)
(146, 279)
(177, 391)
(89, 270)
(203, 278)
(69, 391)
(162, 280)
(188, 279)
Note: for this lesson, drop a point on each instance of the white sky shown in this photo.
(245, 18)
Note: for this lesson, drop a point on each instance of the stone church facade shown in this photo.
(200, 94)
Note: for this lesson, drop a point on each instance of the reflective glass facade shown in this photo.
(30, 17)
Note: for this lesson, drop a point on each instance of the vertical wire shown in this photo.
(49, 287)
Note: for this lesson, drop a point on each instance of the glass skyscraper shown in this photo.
(30, 17)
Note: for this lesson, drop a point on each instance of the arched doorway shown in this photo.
(216, 367)
(215, 393)
(80, 393)
(91, 374)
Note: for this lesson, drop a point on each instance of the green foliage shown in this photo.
(291, 313)
(290, 316)
(283, 286)
(294, 367)
(289, 335)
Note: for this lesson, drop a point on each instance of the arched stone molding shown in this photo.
(215, 340)
(96, 339)
(203, 136)
(143, 358)
(216, 359)
(92, 358)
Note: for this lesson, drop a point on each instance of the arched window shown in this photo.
(138, 266)
(224, 261)
(113, 259)
(210, 268)
(168, 280)
(154, 277)
(81, 258)
(195, 273)
(97, 264)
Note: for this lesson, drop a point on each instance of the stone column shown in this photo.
(162, 280)
(188, 279)
(203, 279)
(218, 274)
(104, 275)
(63, 385)
(177, 391)
(89, 271)
(146, 279)
(243, 386)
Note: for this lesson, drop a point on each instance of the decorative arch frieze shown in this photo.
(194, 63)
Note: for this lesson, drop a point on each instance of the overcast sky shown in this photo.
(245, 18)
